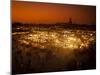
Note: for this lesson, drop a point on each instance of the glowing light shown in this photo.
(68, 40)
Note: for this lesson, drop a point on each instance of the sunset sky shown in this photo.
(36, 12)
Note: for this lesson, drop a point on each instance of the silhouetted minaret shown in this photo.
(70, 21)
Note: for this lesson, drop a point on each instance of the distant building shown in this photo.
(70, 21)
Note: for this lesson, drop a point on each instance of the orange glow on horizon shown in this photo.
(36, 12)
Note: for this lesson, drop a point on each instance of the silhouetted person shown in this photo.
(29, 56)
(18, 56)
